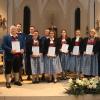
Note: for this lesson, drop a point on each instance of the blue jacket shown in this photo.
(23, 36)
(7, 46)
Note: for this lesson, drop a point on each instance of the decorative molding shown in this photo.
(41, 5)
(17, 3)
(63, 4)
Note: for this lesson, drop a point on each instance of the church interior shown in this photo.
(58, 14)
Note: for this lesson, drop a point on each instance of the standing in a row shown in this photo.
(53, 65)
(64, 46)
(90, 55)
(23, 36)
(37, 63)
(76, 52)
(13, 47)
(27, 53)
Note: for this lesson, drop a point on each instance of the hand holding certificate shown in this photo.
(35, 50)
(64, 48)
(16, 46)
(75, 50)
(51, 52)
(89, 49)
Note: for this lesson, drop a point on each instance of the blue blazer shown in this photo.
(7, 46)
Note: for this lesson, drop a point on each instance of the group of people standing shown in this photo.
(49, 55)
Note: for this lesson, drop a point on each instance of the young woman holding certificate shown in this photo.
(76, 51)
(64, 47)
(53, 65)
(90, 56)
(37, 64)
(13, 47)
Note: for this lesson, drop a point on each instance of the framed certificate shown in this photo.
(16, 46)
(51, 51)
(76, 50)
(89, 49)
(64, 48)
(35, 50)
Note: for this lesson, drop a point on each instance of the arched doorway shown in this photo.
(26, 20)
(77, 18)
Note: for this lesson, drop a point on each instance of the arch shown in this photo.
(77, 18)
(26, 19)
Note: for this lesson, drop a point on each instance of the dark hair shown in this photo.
(53, 32)
(36, 31)
(65, 31)
(32, 26)
(18, 24)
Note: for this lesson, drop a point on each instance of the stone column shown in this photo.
(10, 12)
(91, 14)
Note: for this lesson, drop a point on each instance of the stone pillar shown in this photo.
(10, 12)
(91, 14)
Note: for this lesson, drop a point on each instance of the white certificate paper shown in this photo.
(35, 50)
(76, 50)
(64, 48)
(89, 49)
(16, 46)
(51, 51)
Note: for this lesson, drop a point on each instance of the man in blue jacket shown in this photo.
(23, 36)
(12, 55)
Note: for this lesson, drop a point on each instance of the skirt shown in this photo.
(37, 65)
(90, 65)
(64, 58)
(52, 65)
(75, 63)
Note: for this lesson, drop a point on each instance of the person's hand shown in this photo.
(22, 51)
(13, 51)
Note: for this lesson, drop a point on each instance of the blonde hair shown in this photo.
(93, 30)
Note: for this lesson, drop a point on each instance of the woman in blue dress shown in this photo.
(37, 63)
(90, 56)
(53, 65)
(76, 53)
(64, 47)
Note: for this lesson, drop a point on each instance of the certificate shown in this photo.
(76, 50)
(16, 46)
(89, 49)
(51, 51)
(35, 50)
(64, 48)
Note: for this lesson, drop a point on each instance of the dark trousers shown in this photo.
(28, 65)
(99, 64)
(12, 64)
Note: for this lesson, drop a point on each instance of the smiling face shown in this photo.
(18, 27)
(13, 30)
(32, 30)
(35, 34)
(77, 33)
(52, 34)
(92, 33)
(47, 31)
(63, 33)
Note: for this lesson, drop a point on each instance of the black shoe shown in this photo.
(37, 81)
(34, 82)
(55, 81)
(18, 83)
(29, 78)
(49, 81)
(21, 79)
(8, 85)
(13, 80)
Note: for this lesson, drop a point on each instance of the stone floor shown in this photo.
(41, 91)
(29, 89)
